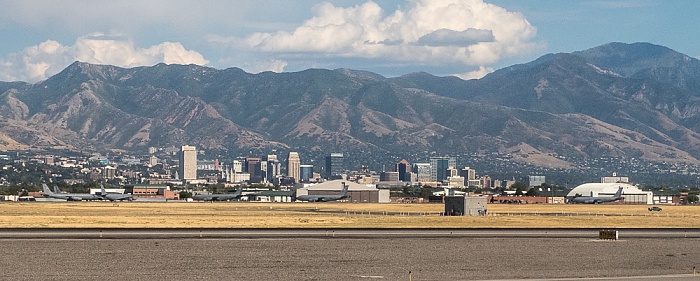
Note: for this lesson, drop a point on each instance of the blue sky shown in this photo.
(466, 38)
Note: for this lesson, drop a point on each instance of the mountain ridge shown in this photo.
(576, 105)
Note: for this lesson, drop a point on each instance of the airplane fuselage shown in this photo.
(594, 200)
(320, 198)
(219, 197)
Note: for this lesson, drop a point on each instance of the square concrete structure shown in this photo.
(465, 206)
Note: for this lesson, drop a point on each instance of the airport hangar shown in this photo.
(630, 193)
(358, 193)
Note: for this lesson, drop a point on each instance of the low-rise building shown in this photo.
(358, 193)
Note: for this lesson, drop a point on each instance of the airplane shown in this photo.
(69, 196)
(219, 197)
(322, 198)
(115, 196)
(596, 199)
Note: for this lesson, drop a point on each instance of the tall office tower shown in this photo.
(422, 171)
(306, 172)
(153, 160)
(439, 166)
(334, 165)
(188, 163)
(452, 172)
(273, 167)
(404, 169)
(468, 174)
(534, 180)
(293, 166)
(252, 166)
(263, 170)
(237, 166)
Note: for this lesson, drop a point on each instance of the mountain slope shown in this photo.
(558, 105)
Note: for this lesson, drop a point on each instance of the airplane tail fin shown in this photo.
(344, 192)
(46, 189)
(56, 190)
(102, 190)
(618, 194)
(239, 191)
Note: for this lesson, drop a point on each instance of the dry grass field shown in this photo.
(327, 215)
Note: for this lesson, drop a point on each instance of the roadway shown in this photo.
(222, 233)
(347, 254)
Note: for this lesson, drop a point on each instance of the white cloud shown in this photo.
(476, 74)
(266, 65)
(430, 32)
(50, 57)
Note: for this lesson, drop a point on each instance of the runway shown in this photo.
(343, 254)
(162, 233)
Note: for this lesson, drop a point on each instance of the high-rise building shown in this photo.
(306, 172)
(422, 171)
(153, 160)
(389, 176)
(533, 180)
(237, 166)
(468, 174)
(270, 167)
(252, 166)
(188, 163)
(439, 166)
(263, 170)
(334, 165)
(273, 169)
(293, 166)
(404, 169)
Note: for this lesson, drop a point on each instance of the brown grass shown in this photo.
(327, 215)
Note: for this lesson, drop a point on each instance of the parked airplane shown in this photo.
(115, 196)
(596, 199)
(69, 196)
(322, 198)
(219, 197)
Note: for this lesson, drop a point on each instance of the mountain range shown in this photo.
(617, 100)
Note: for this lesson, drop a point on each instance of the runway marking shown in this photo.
(369, 276)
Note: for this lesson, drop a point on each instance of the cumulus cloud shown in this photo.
(469, 32)
(50, 57)
(476, 74)
(264, 65)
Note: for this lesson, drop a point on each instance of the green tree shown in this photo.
(533, 192)
(185, 194)
(518, 186)
(426, 192)
(692, 198)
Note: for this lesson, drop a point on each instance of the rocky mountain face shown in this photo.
(627, 100)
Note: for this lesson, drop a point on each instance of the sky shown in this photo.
(464, 38)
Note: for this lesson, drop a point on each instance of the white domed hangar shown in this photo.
(630, 193)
